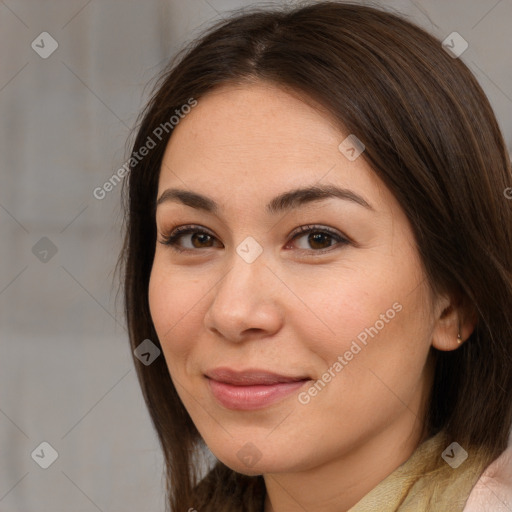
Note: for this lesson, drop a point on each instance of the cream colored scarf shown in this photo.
(426, 482)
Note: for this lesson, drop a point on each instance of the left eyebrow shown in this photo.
(283, 202)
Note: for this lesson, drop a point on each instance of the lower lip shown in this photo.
(247, 398)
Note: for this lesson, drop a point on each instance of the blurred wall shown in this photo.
(72, 80)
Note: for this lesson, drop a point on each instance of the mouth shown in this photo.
(251, 389)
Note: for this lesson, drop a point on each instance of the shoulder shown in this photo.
(493, 491)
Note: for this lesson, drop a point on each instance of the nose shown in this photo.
(245, 302)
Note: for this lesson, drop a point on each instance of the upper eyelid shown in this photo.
(182, 229)
(187, 229)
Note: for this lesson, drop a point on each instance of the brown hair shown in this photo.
(430, 135)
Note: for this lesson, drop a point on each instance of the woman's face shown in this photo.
(288, 349)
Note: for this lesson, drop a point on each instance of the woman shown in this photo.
(319, 242)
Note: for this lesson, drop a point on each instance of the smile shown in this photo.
(251, 389)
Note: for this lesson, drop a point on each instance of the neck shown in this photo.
(341, 483)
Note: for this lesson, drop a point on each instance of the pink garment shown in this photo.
(493, 491)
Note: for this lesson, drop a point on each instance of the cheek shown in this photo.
(171, 304)
(356, 308)
(383, 345)
(375, 320)
(161, 304)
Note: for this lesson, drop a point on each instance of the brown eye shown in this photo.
(200, 239)
(318, 239)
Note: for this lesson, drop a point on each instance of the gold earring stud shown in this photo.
(459, 339)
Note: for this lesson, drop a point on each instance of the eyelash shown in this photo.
(176, 233)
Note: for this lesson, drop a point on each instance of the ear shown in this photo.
(452, 316)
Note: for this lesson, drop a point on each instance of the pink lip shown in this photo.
(251, 389)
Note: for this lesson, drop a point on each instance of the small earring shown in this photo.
(459, 339)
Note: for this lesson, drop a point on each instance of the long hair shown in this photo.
(430, 135)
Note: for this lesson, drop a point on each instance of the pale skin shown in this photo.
(294, 310)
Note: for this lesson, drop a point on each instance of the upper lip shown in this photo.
(250, 377)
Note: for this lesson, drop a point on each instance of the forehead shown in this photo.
(255, 138)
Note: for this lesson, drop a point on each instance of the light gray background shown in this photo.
(66, 375)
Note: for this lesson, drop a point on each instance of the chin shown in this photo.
(251, 461)
(244, 469)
